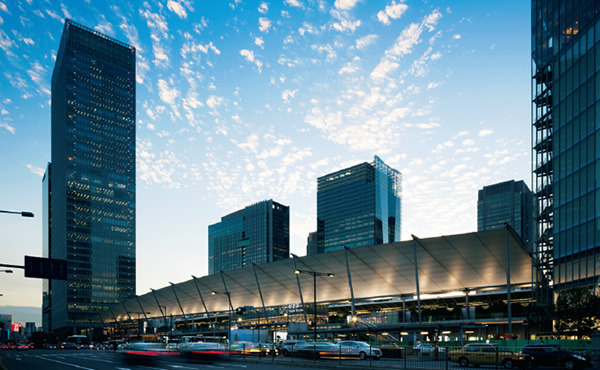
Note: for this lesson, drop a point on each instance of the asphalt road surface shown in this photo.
(39, 359)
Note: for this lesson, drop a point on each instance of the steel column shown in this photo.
(204, 304)
(179, 303)
(300, 290)
(350, 282)
(417, 273)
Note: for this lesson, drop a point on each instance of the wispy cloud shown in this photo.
(36, 170)
(264, 24)
(7, 127)
(394, 11)
(249, 55)
(345, 4)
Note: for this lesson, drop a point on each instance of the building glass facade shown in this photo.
(566, 139)
(91, 202)
(259, 233)
(508, 202)
(358, 206)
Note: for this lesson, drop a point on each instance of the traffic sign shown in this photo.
(45, 268)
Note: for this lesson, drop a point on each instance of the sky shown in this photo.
(243, 101)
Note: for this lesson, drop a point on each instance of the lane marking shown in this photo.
(65, 363)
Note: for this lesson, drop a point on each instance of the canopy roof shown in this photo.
(447, 263)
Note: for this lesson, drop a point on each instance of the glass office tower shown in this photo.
(259, 233)
(508, 202)
(89, 195)
(358, 206)
(566, 139)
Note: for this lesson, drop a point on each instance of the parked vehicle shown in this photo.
(358, 349)
(391, 350)
(291, 346)
(322, 350)
(488, 354)
(553, 355)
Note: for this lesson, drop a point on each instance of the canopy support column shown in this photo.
(300, 290)
(187, 325)
(346, 249)
(417, 274)
(204, 304)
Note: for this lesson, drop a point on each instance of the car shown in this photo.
(291, 346)
(322, 350)
(488, 354)
(245, 348)
(145, 353)
(553, 354)
(362, 350)
(424, 347)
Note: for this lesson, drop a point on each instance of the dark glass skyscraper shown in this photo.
(89, 187)
(566, 139)
(358, 206)
(259, 233)
(507, 202)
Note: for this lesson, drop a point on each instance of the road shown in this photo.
(99, 360)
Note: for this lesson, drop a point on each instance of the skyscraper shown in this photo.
(565, 139)
(358, 206)
(507, 202)
(259, 233)
(89, 186)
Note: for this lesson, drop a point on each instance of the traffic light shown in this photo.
(240, 310)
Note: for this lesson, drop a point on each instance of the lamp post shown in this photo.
(22, 213)
(314, 275)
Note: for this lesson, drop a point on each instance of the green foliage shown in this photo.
(577, 312)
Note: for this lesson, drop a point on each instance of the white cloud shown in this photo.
(394, 11)
(263, 8)
(4, 8)
(345, 4)
(264, 24)
(468, 142)
(249, 55)
(345, 22)
(105, 28)
(259, 42)
(214, 101)
(409, 37)
(177, 8)
(6, 43)
(36, 170)
(155, 169)
(28, 41)
(294, 3)
(287, 94)
(7, 127)
(365, 41)
(167, 94)
(485, 132)
(456, 37)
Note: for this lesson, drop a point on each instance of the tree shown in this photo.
(577, 312)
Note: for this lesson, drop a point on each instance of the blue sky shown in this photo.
(242, 101)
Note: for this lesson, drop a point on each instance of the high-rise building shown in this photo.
(508, 202)
(565, 140)
(358, 206)
(89, 186)
(312, 245)
(259, 233)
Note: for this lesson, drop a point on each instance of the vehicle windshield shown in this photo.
(363, 344)
(504, 349)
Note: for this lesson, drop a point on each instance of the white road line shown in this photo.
(64, 363)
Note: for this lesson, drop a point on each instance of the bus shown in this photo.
(77, 342)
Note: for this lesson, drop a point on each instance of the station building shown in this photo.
(457, 287)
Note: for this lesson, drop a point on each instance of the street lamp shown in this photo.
(314, 275)
(22, 213)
